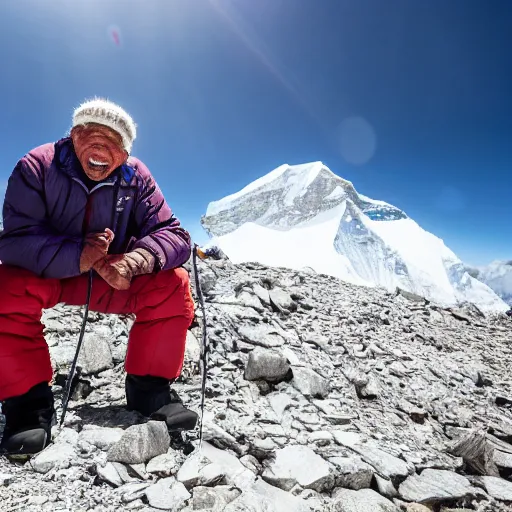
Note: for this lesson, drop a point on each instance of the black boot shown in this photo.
(153, 397)
(28, 421)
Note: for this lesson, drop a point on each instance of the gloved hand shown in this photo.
(119, 269)
(95, 247)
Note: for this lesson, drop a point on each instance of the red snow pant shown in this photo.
(162, 303)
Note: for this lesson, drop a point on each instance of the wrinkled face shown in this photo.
(99, 149)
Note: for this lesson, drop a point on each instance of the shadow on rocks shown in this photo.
(108, 416)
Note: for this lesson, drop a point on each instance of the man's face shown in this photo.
(99, 149)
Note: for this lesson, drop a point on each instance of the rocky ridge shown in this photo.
(321, 396)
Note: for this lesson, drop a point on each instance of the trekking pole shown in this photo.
(204, 345)
(67, 389)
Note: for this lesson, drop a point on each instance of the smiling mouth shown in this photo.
(98, 164)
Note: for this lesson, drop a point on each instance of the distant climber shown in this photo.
(76, 205)
(509, 312)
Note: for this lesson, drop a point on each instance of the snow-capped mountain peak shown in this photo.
(300, 216)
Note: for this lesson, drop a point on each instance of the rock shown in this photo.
(364, 500)
(122, 471)
(132, 491)
(262, 497)
(167, 494)
(346, 437)
(369, 390)
(6, 479)
(192, 348)
(297, 464)
(385, 464)
(320, 438)
(281, 300)
(251, 463)
(67, 435)
(95, 355)
(262, 294)
(58, 456)
(109, 474)
(497, 487)
(140, 443)
(101, 437)
(216, 498)
(262, 335)
(165, 464)
(352, 472)
(279, 403)
(266, 364)
(477, 452)
(210, 465)
(435, 485)
(385, 487)
(309, 383)
(416, 507)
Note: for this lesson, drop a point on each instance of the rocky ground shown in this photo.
(322, 396)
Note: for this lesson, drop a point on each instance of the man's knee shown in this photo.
(22, 290)
(170, 289)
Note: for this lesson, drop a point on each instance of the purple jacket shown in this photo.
(46, 205)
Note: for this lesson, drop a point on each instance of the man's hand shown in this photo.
(119, 269)
(95, 247)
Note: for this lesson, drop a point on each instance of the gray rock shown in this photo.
(108, 473)
(167, 494)
(262, 294)
(434, 485)
(279, 403)
(216, 498)
(101, 437)
(352, 472)
(122, 471)
(282, 300)
(370, 389)
(288, 469)
(58, 456)
(6, 479)
(309, 383)
(385, 464)
(364, 500)
(262, 497)
(192, 348)
(164, 465)
(251, 463)
(262, 335)
(140, 443)
(266, 364)
(95, 355)
(497, 487)
(385, 487)
(212, 465)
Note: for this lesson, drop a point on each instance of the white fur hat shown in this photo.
(102, 111)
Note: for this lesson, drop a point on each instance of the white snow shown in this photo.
(335, 194)
(374, 201)
(343, 242)
(308, 245)
(498, 276)
(301, 176)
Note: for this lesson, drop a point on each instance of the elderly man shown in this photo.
(81, 204)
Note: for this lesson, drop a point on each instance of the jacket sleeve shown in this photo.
(28, 240)
(160, 232)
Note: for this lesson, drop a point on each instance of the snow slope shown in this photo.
(306, 216)
(498, 276)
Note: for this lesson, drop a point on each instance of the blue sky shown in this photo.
(223, 91)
